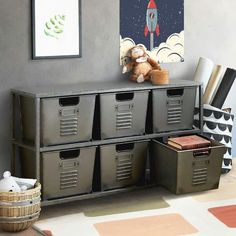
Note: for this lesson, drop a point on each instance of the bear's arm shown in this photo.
(153, 63)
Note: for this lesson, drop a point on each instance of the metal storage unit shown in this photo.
(28, 163)
(122, 164)
(173, 109)
(63, 119)
(27, 106)
(67, 172)
(123, 114)
(185, 171)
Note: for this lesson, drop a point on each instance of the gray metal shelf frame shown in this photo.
(38, 93)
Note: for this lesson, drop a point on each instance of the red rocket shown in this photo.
(152, 25)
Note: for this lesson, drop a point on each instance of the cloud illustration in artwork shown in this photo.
(54, 27)
(170, 51)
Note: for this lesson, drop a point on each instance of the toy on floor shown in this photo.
(14, 184)
(141, 64)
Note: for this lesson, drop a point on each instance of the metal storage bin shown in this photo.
(123, 114)
(188, 170)
(67, 173)
(122, 164)
(173, 109)
(63, 119)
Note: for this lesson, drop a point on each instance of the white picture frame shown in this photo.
(56, 28)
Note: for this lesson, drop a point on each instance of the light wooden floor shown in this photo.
(93, 204)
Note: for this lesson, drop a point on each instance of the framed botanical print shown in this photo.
(56, 28)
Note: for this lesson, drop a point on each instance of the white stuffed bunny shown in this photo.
(8, 184)
(13, 184)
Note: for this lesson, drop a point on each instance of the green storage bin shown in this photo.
(123, 114)
(187, 171)
(63, 120)
(67, 172)
(173, 109)
(63, 173)
(122, 164)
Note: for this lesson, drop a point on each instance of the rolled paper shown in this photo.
(224, 88)
(213, 84)
(203, 71)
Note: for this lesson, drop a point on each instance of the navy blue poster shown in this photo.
(156, 24)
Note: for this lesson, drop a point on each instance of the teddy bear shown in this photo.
(141, 64)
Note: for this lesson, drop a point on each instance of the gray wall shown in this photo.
(100, 56)
(209, 32)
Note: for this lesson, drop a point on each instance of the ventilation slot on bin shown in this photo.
(68, 126)
(174, 104)
(124, 116)
(123, 120)
(199, 176)
(68, 179)
(69, 169)
(124, 167)
(174, 115)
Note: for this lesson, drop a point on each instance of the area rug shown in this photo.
(226, 214)
(151, 226)
(127, 202)
(149, 212)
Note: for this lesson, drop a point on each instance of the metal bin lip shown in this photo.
(214, 145)
(138, 141)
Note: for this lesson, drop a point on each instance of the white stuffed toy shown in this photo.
(14, 184)
(8, 184)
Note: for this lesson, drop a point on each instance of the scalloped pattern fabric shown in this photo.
(218, 125)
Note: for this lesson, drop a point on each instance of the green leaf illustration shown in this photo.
(54, 27)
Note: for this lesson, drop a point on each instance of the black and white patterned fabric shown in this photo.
(218, 125)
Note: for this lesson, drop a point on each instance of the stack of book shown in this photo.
(188, 142)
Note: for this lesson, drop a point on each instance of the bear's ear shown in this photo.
(142, 47)
(128, 54)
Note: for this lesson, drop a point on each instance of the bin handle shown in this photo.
(124, 147)
(124, 96)
(202, 153)
(175, 92)
(69, 154)
(69, 101)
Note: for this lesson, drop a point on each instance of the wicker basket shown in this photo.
(19, 210)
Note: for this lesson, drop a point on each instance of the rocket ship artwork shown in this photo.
(152, 25)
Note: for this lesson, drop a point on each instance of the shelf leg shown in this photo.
(201, 109)
(37, 138)
(13, 116)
